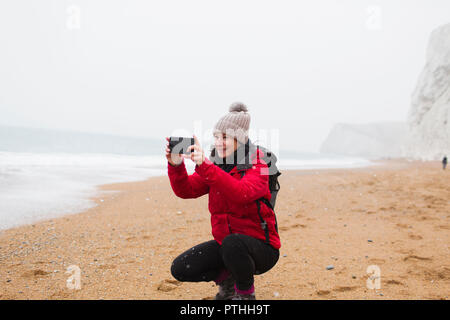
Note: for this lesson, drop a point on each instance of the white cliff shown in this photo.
(372, 141)
(429, 116)
(426, 134)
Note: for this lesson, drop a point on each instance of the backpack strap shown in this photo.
(263, 222)
(267, 202)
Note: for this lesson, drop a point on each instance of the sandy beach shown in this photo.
(394, 216)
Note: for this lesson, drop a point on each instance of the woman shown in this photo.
(240, 248)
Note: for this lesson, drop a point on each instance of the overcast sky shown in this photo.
(147, 68)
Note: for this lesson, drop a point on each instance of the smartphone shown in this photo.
(179, 145)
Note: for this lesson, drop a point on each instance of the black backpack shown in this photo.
(274, 186)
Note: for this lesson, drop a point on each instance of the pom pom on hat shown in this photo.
(238, 107)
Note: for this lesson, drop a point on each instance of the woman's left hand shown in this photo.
(197, 155)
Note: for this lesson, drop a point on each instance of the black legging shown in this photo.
(243, 256)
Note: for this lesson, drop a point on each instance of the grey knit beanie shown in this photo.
(236, 123)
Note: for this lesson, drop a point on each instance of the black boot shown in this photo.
(226, 289)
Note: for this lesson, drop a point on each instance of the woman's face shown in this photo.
(224, 145)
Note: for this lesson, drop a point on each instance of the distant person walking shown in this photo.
(444, 162)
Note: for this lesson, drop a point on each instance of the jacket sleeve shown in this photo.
(252, 186)
(186, 186)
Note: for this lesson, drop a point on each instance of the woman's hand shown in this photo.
(173, 158)
(197, 155)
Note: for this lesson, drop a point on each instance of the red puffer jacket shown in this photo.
(231, 198)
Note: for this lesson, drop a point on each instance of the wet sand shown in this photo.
(394, 216)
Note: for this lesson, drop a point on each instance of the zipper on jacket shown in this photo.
(229, 225)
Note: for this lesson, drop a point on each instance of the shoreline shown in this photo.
(98, 193)
(125, 244)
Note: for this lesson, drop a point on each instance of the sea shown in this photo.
(47, 173)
